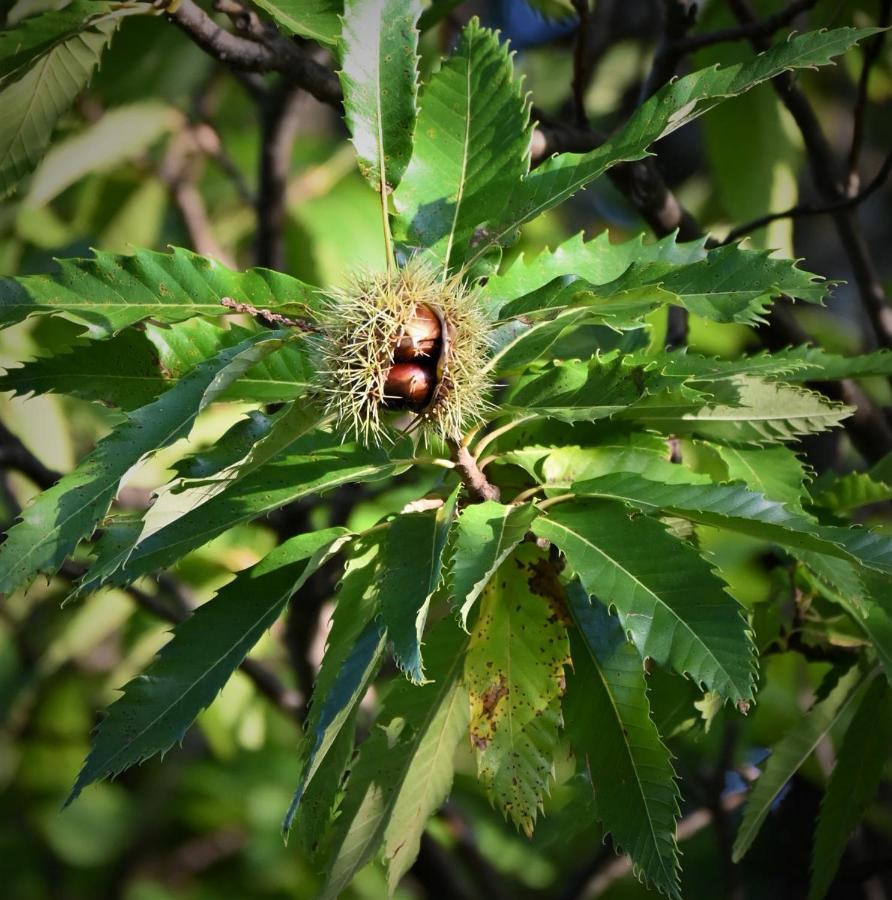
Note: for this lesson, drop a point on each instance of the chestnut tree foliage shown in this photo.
(547, 581)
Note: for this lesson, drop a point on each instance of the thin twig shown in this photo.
(827, 175)
(279, 124)
(267, 317)
(273, 52)
(803, 210)
(679, 18)
(762, 28)
(15, 455)
(474, 480)
(872, 49)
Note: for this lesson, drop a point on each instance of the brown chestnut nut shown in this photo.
(409, 385)
(420, 336)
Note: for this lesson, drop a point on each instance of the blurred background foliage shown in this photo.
(164, 149)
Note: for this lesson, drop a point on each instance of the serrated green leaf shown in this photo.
(411, 572)
(279, 377)
(352, 656)
(379, 74)
(32, 99)
(53, 524)
(611, 731)
(855, 778)
(796, 364)
(748, 409)
(738, 509)
(182, 497)
(729, 285)
(132, 368)
(315, 464)
(597, 261)
(35, 36)
(775, 472)
(109, 292)
(486, 533)
(792, 751)
(574, 390)
(122, 372)
(562, 466)
(471, 147)
(514, 671)
(158, 706)
(677, 103)
(315, 19)
(844, 493)
(669, 600)
(404, 770)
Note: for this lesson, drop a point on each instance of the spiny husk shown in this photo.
(359, 329)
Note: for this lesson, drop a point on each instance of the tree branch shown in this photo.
(762, 28)
(15, 455)
(802, 210)
(472, 476)
(279, 124)
(826, 173)
(270, 51)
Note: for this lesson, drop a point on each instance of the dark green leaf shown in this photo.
(109, 292)
(411, 572)
(855, 779)
(793, 750)
(53, 524)
(404, 770)
(316, 19)
(668, 598)
(611, 730)
(158, 706)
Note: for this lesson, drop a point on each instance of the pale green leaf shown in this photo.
(471, 146)
(597, 261)
(671, 603)
(514, 671)
(158, 706)
(53, 524)
(792, 751)
(729, 285)
(485, 534)
(853, 783)
(120, 134)
(612, 732)
(775, 472)
(379, 74)
(747, 409)
(32, 99)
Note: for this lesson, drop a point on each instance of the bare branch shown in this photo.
(279, 124)
(761, 28)
(15, 455)
(872, 49)
(827, 176)
(802, 210)
(266, 316)
(270, 51)
(472, 476)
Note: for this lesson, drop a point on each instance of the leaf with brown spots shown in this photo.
(514, 671)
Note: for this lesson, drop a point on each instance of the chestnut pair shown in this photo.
(412, 379)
